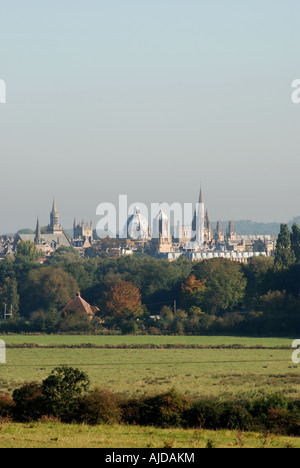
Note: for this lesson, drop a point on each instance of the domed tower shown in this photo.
(137, 227)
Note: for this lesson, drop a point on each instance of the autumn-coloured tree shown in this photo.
(123, 301)
(192, 285)
(192, 291)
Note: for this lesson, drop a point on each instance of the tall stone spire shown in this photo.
(38, 235)
(198, 223)
(54, 210)
(200, 220)
(201, 195)
(55, 227)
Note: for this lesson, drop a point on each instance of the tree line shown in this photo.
(147, 295)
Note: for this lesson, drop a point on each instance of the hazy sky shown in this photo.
(148, 98)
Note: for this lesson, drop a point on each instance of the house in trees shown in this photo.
(79, 305)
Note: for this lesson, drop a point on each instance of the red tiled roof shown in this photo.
(79, 305)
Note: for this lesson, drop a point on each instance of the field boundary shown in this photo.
(141, 346)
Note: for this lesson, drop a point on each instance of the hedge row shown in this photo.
(141, 346)
(273, 413)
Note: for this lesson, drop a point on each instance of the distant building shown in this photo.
(162, 238)
(79, 305)
(49, 239)
(82, 234)
(7, 246)
(137, 228)
(54, 226)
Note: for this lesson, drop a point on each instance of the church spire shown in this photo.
(54, 210)
(201, 195)
(38, 236)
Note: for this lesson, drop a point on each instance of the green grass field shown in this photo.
(57, 435)
(144, 339)
(193, 372)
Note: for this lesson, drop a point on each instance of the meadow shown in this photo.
(131, 366)
(58, 435)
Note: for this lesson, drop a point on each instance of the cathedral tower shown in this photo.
(54, 226)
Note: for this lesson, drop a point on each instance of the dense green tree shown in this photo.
(258, 273)
(224, 284)
(27, 252)
(45, 321)
(64, 255)
(295, 241)
(158, 280)
(7, 267)
(284, 254)
(48, 289)
(9, 295)
(61, 390)
(166, 313)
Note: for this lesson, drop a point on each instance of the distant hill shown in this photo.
(244, 227)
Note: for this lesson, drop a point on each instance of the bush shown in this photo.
(129, 326)
(164, 410)
(100, 406)
(28, 402)
(7, 406)
(278, 420)
(214, 414)
(236, 416)
(259, 407)
(204, 413)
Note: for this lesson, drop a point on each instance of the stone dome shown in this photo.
(137, 227)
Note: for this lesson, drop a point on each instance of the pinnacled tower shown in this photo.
(83, 232)
(207, 229)
(161, 236)
(54, 227)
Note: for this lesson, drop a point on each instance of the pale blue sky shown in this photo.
(148, 99)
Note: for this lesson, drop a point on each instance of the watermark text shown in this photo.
(295, 354)
(2, 352)
(296, 93)
(2, 92)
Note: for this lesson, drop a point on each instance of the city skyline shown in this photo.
(150, 212)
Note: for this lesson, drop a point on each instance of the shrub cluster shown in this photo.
(65, 396)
